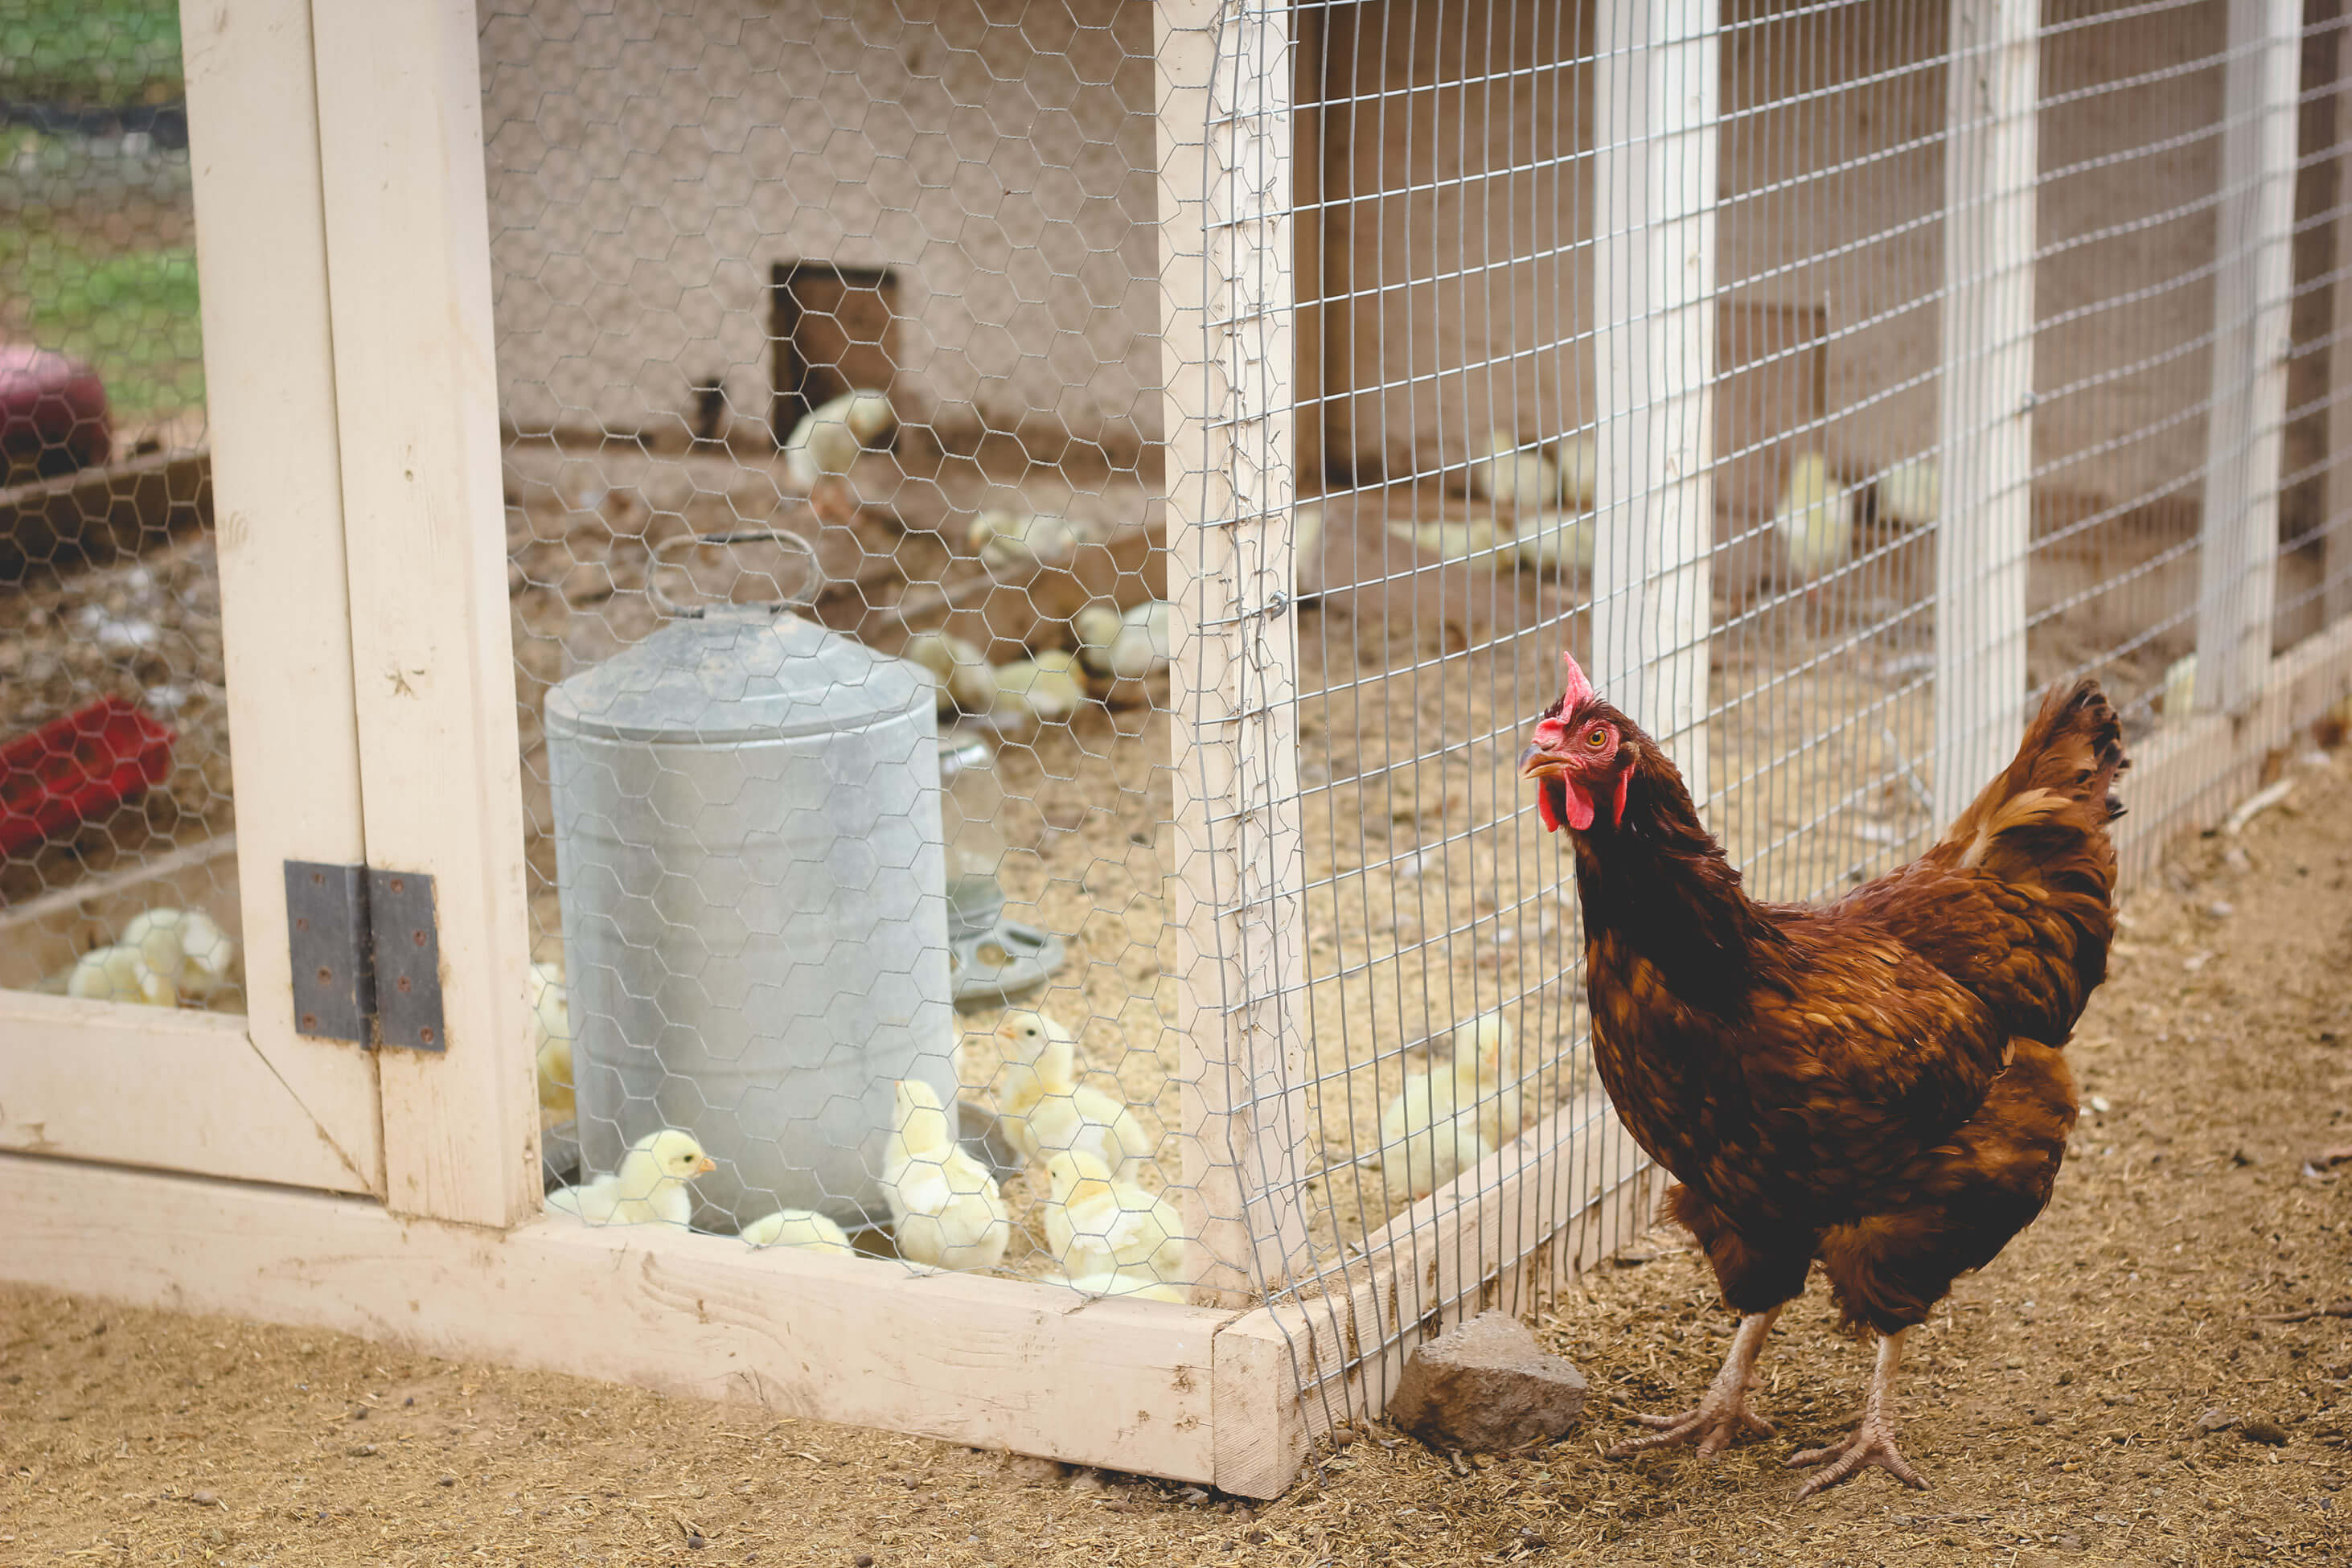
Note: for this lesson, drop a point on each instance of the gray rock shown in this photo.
(1485, 1386)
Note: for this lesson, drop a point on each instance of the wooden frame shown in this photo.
(440, 772)
(1657, 92)
(1236, 914)
(1985, 430)
(2238, 557)
(2336, 547)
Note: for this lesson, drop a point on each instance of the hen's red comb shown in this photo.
(1580, 690)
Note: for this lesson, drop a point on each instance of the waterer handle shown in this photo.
(802, 598)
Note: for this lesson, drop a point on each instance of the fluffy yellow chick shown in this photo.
(648, 1189)
(1912, 492)
(1307, 547)
(1111, 1282)
(550, 1017)
(1481, 538)
(119, 973)
(967, 683)
(1424, 1141)
(829, 440)
(1039, 691)
(799, 1228)
(1557, 541)
(2180, 687)
(1011, 541)
(1045, 1109)
(1816, 521)
(1513, 478)
(187, 947)
(945, 1210)
(1098, 1225)
(1121, 650)
(1579, 472)
(1482, 1088)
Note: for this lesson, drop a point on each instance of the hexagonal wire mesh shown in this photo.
(1511, 424)
(118, 878)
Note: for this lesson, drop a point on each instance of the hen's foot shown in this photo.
(1873, 1444)
(1718, 1421)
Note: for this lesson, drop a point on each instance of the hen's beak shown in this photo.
(1536, 762)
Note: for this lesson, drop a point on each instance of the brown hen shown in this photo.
(1874, 1083)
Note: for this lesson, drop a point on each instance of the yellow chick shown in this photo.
(648, 1189)
(1011, 541)
(2180, 687)
(187, 947)
(1557, 542)
(551, 1017)
(1513, 478)
(1098, 1225)
(1111, 1282)
(1580, 471)
(119, 973)
(1039, 691)
(1123, 649)
(1045, 1109)
(967, 682)
(1481, 538)
(1816, 521)
(829, 440)
(1482, 1090)
(799, 1228)
(1424, 1141)
(1307, 548)
(945, 1210)
(1912, 492)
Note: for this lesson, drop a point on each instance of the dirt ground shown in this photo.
(2118, 1388)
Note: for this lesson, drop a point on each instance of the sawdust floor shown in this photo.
(2055, 1405)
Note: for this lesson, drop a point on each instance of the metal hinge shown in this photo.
(365, 950)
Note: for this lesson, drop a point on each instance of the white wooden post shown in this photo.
(2336, 548)
(1235, 907)
(2238, 555)
(1657, 98)
(400, 124)
(1984, 439)
(261, 262)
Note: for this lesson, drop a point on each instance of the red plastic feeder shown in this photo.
(74, 768)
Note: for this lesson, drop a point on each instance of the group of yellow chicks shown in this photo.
(1449, 1116)
(164, 957)
(1112, 1235)
(1118, 650)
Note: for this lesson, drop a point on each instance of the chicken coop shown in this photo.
(821, 703)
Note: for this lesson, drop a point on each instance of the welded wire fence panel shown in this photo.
(1833, 379)
(118, 876)
(830, 346)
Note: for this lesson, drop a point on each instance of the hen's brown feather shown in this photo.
(1873, 1082)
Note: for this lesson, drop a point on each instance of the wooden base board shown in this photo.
(991, 1363)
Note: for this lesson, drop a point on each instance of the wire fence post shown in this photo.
(1985, 435)
(1658, 93)
(1236, 908)
(2238, 558)
(2335, 520)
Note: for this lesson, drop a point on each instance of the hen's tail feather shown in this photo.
(2060, 787)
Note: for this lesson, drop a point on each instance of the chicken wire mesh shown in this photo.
(117, 857)
(1652, 330)
(861, 902)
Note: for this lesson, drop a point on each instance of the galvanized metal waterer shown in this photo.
(750, 861)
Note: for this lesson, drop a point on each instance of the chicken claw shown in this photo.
(1873, 1443)
(1722, 1414)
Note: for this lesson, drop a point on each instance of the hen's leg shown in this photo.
(1722, 1413)
(1872, 1442)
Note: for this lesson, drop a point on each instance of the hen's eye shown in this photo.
(1596, 737)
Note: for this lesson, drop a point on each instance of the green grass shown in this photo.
(96, 52)
(132, 314)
